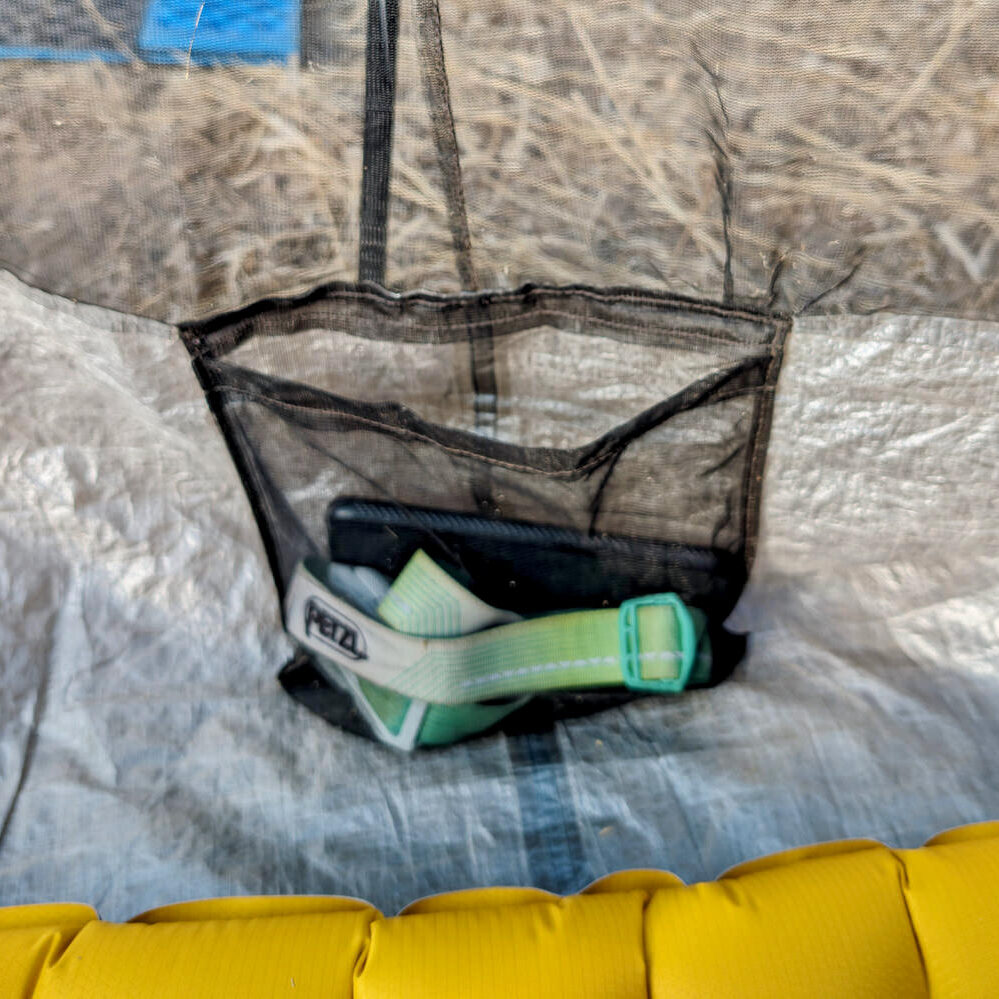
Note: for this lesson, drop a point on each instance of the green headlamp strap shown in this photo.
(422, 671)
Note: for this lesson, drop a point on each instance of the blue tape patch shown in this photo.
(220, 31)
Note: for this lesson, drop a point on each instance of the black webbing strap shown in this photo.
(379, 116)
(480, 337)
(435, 84)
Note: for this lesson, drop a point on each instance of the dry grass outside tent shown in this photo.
(599, 145)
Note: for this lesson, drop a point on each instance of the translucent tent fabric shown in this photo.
(149, 755)
(817, 179)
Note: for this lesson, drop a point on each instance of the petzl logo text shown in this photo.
(334, 630)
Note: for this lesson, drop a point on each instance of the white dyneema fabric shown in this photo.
(147, 753)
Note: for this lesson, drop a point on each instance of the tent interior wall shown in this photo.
(825, 168)
(812, 149)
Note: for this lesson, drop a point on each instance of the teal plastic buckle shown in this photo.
(631, 660)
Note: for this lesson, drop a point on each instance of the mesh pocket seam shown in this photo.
(214, 338)
(405, 432)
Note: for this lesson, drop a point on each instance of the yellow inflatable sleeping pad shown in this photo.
(842, 919)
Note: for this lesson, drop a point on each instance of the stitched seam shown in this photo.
(694, 308)
(478, 681)
(762, 417)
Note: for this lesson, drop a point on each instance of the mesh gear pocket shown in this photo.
(617, 414)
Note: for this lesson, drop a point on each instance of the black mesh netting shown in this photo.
(801, 155)
(632, 421)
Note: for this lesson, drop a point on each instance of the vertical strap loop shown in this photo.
(435, 85)
(480, 336)
(379, 116)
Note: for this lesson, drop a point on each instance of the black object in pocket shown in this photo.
(533, 568)
(620, 433)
